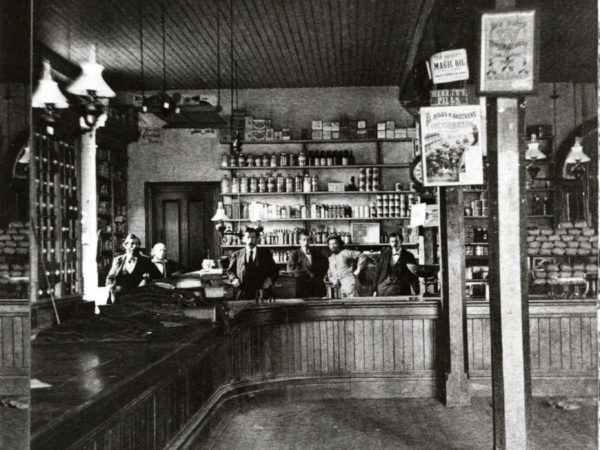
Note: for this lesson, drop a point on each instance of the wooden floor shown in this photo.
(391, 424)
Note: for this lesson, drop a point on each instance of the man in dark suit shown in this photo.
(252, 269)
(167, 267)
(129, 271)
(392, 276)
(311, 266)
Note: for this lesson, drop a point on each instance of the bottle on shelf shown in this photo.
(352, 185)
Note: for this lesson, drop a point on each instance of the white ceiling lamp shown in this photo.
(47, 94)
(90, 83)
(94, 92)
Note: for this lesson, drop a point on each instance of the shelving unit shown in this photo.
(112, 206)
(372, 159)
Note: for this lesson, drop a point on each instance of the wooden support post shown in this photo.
(89, 213)
(453, 268)
(509, 306)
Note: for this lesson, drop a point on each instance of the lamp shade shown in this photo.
(220, 214)
(47, 92)
(90, 82)
(533, 152)
(576, 155)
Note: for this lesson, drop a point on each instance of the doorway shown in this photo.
(178, 214)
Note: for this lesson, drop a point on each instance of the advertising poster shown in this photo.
(452, 145)
(449, 66)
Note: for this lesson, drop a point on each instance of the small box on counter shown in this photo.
(389, 134)
(286, 135)
(277, 135)
(317, 125)
(361, 124)
(259, 124)
(411, 132)
(335, 187)
(400, 133)
(270, 134)
(335, 135)
(317, 135)
(390, 125)
(258, 135)
(381, 134)
(326, 135)
(380, 126)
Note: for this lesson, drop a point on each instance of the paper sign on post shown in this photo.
(418, 212)
(448, 66)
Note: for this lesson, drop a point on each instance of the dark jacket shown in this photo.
(265, 268)
(312, 275)
(144, 268)
(171, 267)
(405, 278)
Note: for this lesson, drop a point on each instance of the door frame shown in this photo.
(151, 188)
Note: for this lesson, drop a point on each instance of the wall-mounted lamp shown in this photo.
(220, 217)
(578, 158)
(533, 155)
(93, 90)
(48, 97)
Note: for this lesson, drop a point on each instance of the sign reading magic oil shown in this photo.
(451, 145)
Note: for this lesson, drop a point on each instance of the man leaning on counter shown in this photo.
(311, 266)
(341, 271)
(392, 276)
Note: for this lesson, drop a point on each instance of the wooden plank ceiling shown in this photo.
(277, 43)
(296, 43)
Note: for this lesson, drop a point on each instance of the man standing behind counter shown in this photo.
(392, 276)
(311, 266)
(341, 266)
(252, 269)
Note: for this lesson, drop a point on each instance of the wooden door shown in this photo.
(178, 214)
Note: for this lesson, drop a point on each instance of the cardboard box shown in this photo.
(269, 135)
(400, 133)
(361, 124)
(286, 135)
(317, 125)
(258, 135)
(317, 135)
(389, 134)
(335, 135)
(380, 126)
(326, 135)
(390, 125)
(380, 134)
(277, 135)
(335, 187)
(260, 124)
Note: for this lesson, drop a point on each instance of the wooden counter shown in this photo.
(364, 347)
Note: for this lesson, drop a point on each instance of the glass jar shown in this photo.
(243, 185)
(235, 185)
(250, 160)
(289, 184)
(225, 160)
(298, 181)
(302, 159)
(253, 185)
(273, 160)
(262, 184)
(265, 160)
(283, 160)
(241, 161)
(232, 160)
(225, 185)
(271, 186)
(307, 183)
(315, 183)
(280, 183)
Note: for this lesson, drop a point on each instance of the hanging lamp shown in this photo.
(47, 94)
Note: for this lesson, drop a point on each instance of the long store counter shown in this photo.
(106, 395)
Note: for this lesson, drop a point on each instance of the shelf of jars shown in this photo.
(323, 141)
(318, 167)
(348, 244)
(230, 194)
(325, 219)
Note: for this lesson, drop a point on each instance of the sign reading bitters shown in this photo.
(449, 66)
(452, 146)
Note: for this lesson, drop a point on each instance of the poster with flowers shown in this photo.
(452, 145)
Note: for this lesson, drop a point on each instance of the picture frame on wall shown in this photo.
(509, 49)
(365, 233)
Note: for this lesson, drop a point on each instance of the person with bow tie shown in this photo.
(392, 276)
(129, 271)
(310, 264)
(252, 269)
(167, 267)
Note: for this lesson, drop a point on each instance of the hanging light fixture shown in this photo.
(533, 155)
(92, 89)
(47, 94)
(578, 158)
(220, 217)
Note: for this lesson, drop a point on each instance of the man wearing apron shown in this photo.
(341, 266)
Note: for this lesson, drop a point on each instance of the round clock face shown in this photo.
(416, 172)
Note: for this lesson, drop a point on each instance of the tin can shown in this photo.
(243, 185)
(298, 183)
(253, 185)
(315, 183)
(280, 183)
(289, 184)
(271, 186)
